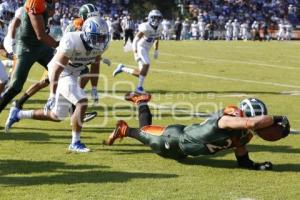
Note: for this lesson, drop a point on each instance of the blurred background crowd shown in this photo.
(187, 19)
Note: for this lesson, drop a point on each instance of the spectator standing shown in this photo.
(178, 28)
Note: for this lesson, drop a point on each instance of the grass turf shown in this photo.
(189, 77)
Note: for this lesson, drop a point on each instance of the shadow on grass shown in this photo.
(65, 174)
(37, 136)
(232, 164)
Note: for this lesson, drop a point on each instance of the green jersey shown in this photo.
(26, 34)
(207, 138)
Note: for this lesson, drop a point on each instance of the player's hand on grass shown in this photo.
(155, 54)
(50, 104)
(263, 166)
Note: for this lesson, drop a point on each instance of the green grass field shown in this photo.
(189, 77)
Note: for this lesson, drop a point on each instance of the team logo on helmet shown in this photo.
(95, 33)
(253, 107)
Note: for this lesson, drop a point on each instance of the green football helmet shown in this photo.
(88, 10)
(253, 107)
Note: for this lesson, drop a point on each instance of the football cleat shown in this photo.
(78, 147)
(137, 98)
(118, 70)
(140, 90)
(88, 116)
(12, 118)
(119, 132)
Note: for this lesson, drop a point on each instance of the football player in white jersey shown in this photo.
(288, 31)
(244, 31)
(235, 29)
(281, 31)
(147, 36)
(75, 51)
(85, 11)
(229, 28)
(201, 25)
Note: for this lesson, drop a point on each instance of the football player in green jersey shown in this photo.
(225, 129)
(33, 45)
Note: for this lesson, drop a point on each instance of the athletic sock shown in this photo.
(128, 70)
(141, 81)
(22, 100)
(25, 114)
(75, 137)
(145, 116)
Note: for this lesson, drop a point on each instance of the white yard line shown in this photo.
(219, 77)
(227, 78)
(232, 61)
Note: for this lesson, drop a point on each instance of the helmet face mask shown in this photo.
(95, 33)
(155, 18)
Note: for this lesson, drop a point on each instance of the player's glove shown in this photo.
(95, 96)
(136, 57)
(263, 166)
(155, 54)
(106, 61)
(50, 104)
(245, 162)
(284, 122)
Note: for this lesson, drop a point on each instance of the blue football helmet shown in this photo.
(155, 18)
(95, 33)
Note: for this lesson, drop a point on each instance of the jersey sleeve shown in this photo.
(142, 28)
(66, 45)
(19, 12)
(35, 6)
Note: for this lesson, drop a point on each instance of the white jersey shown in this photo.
(166, 25)
(150, 35)
(201, 25)
(194, 29)
(72, 46)
(64, 22)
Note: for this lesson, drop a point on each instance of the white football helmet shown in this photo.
(155, 18)
(95, 33)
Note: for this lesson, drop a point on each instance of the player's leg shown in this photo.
(44, 82)
(144, 113)
(23, 65)
(74, 94)
(126, 34)
(3, 78)
(162, 141)
(122, 68)
(83, 80)
(144, 56)
(145, 116)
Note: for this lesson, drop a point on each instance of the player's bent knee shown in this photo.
(82, 103)
(58, 117)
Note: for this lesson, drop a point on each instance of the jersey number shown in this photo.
(150, 39)
(213, 148)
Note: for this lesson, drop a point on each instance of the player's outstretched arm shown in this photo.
(254, 123)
